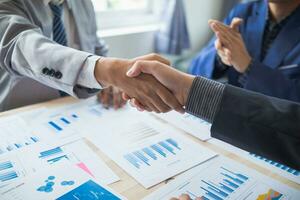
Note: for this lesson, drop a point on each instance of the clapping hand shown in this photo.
(230, 44)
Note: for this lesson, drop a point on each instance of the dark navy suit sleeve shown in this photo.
(283, 84)
(260, 124)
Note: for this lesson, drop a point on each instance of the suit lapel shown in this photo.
(285, 41)
(255, 28)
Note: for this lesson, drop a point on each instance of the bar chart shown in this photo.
(53, 155)
(160, 150)
(277, 165)
(228, 183)
(221, 179)
(7, 172)
(15, 134)
(60, 123)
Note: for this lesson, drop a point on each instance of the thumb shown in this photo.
(140, 67)
(235, 23)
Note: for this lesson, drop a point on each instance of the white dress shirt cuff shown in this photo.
(87, 77)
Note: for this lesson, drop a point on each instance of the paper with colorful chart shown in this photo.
(60, 181)
(28, 161)
(222, 178)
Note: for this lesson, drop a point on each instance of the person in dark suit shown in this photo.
(269, 54)
(261, 124)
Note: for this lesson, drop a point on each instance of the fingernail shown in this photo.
(130, 72)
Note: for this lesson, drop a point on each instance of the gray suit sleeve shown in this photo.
(25, 51)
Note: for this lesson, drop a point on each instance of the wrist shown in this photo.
(108, 70)
(187, 82)
(246, 64)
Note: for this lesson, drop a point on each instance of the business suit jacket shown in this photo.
(268, 76)
(26, 49)
(263, 125)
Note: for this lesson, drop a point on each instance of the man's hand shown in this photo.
(186, 197)
(235, 23)
(111, 97)
(145, 88)
(234, 51)
(177, 82)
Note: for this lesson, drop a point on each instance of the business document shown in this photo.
(27, 161)
(222, 178)
(278, 168)
(189, 123)
(147, 149)
(61, 182)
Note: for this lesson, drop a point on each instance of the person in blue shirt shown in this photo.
(265, 51)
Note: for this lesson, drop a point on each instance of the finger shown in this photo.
(218, 45)
(173, 198)
(105, 97)
(223, 39)
(235, 23)
(168, 98)
(139, 67)
(154, 57)
(156, 104)
(116, 100)
(125, 96)
(137, 105)
(199, 198)
(227, 31)
(184, 197)
(228, 55)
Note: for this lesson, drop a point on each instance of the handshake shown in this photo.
(148, 82)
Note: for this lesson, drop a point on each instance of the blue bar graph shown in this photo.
(6, 165)
(174, 143)
(237, 174)
(146, 155)
(277, 165)
(65, 120)
(130, 158)
(54, 160)
(75, 116)
(50, 152)
(158, 149)
(55, 126)
(215, 189)
(8, 176)
(167, 147)
(150, 153)
(34, 139)
(227, 184)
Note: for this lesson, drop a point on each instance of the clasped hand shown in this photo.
(150, 84)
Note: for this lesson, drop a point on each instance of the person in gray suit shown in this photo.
(54, 42)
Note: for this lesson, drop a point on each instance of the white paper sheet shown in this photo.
(148, 150)
(189, 123)
(60, 181)
(222, 178)
(278, 168)
(27, 161)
